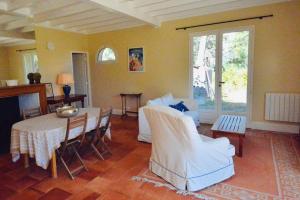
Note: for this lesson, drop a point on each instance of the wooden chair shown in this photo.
(30, 113)
(69, 145)
(52, 107)
(97, 135)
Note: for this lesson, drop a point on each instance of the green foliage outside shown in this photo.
(235, 60)
(234, 69)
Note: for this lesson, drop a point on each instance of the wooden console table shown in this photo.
(124, 96)
(67, 99)
(231, 125)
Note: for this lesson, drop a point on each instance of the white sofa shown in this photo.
(181, 156)
(166, 100)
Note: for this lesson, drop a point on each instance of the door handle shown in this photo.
(220, 83)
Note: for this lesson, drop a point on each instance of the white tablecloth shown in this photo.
(40, 136)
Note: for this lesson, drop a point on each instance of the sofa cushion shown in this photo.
(194, 115)
(167, 99)
(155, 102)
(180, 106)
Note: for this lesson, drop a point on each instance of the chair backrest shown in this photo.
(103, 121)
(174, 135)
(73, 123)
(52, 107)
(32, 112)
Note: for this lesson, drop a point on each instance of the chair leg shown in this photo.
(78, 156)
(105, 147)
(71, 158)
(96, 151)
(66, 166)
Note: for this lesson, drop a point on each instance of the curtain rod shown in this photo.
(20, 50)
(223, 22)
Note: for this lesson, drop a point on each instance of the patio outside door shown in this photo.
(221, 72)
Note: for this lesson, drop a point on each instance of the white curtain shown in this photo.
(30, 60)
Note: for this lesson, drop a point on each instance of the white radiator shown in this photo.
(283, 107)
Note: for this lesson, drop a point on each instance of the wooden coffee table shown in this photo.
(231, 125)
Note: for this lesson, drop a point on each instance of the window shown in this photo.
(106, 55)
(30, 61)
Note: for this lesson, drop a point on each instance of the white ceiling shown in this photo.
(18, 17)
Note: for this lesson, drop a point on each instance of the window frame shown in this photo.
(98, 61)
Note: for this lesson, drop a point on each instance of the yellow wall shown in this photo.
(53, 62)
(4, 66)
(16, 65)
(276, 56)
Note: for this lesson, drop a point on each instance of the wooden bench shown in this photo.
(231, 125)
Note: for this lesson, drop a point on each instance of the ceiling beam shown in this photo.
(145, 3)
(26, 29)
(92, 20)
(62, 12)
(114, 27)
(18, 24)
(47, 6)
(10, 40)
(184, 6)
(17, 4)
(103, 24)
(14, 34)
(126, 8)
(4, 19)
(77, 17)
(17, 13)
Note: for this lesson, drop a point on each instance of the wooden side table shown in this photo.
(231, 125)
(124, 96)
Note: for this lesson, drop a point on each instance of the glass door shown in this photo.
(220, 72)
(234, 78)
(204, 60)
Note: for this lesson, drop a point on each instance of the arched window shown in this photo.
(106, 55)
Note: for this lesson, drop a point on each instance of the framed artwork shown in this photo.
(49, 90)
(136, 59)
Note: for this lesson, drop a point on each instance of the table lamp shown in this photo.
(65, 79)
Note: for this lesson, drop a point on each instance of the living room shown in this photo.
(217, 59)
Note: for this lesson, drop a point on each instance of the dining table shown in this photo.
(39, 137)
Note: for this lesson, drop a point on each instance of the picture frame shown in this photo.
(49, 90)
(136, 59)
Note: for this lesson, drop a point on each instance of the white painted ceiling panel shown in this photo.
(18, 17)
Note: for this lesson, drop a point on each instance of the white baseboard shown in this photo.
(261, 125)
(273, 126)
(117, 111)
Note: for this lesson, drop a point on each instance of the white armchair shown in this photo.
(181, 156)
(166, 100)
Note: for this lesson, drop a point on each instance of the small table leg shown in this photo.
(53, 166)
(124, 108)
(240, 146)
(82, 103)
(26, 160)
(214, 135)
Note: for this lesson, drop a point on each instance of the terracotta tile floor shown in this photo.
(109, 179)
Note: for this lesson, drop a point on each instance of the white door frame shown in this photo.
(90, 103)
(211, 116)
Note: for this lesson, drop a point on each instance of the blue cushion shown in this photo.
(180, 106)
